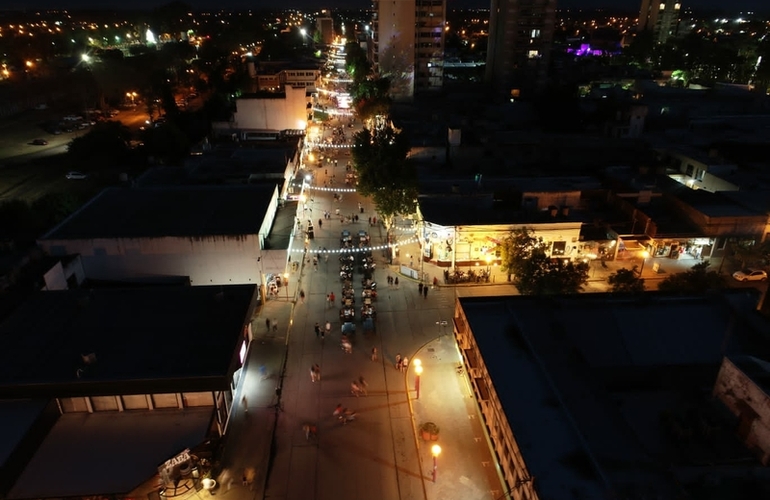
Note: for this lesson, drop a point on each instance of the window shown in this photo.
(699, 174)
(662, 6)
(533, 54)
(559, 248)
(534, 33)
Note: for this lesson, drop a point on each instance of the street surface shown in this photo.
(379, 455)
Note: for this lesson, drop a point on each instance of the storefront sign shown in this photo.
(180, 459)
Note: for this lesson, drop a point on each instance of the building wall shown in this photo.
(289, 113)
(394, 38)
(749, 225)
(519, 46)
(210, 260)
(471, 244)
(512, 465)
(325, 25)
(306, 78)
(750, 403)
(663, 22)
(429, 44)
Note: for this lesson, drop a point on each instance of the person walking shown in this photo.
(267, 323)
(317, 369)
(338, 410)
(328, 328)
(425, 292)
(355, 389)
(317, 329)
(395, 282)
(312, 374)
(275, 324)
(332, 298)
(245, 405)
(363, 385)
(374, 354)
(320, 223)
(404, 364)
(302, 295)
(398, 362)
(419, 287)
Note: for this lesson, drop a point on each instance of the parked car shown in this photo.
(750, 275)
(40, 142)
(76, 176)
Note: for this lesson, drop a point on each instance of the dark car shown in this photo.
(40, 142)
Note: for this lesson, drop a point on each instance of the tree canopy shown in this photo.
(534, 272)
(105, 144)
(698, 279)
(625, 281)
(384, 173)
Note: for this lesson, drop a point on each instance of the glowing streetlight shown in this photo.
(303, 31)
(417, 372)
(435, 451)
(85, 58)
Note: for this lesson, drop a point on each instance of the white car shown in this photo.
(750, 275)
(76, 176)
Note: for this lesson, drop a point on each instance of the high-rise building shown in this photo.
(325, 27)
(661, 17)
(408, 38)
(519, 46)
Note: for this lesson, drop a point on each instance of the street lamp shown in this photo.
(417, 371)
(435, 451)
(645, 254)
(286, 284)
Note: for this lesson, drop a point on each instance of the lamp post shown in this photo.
(417, 372)
(435, 451)
(645, 254)
(286, 284)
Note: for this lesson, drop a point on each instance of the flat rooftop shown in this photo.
(466, 185)
(164, 339)
(560, 364)
(459, 210)
(155, 212)
(107, 453)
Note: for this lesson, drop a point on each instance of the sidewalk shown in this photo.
(256, 425)
(466, 466)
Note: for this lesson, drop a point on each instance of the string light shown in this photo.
(327, 145)
(351, 251)
(336, 190)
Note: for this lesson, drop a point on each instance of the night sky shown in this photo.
(734, 5)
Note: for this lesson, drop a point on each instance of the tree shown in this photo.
(525, 257)
(625, 281)
(370, 99)
(696, 280)
(105, 144)
(384, 174)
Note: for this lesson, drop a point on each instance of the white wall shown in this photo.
(289, 113)
(210, 260)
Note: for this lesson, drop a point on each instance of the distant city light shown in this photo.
(150, 37)
(85, 58)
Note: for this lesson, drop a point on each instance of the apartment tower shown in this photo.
(661, 17)
(519, 47)
(408, 38)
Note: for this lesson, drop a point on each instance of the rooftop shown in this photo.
(154, 212)
(106, 453)
(560, 365)
(467, 185)
(146, 338)
(458, 210)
